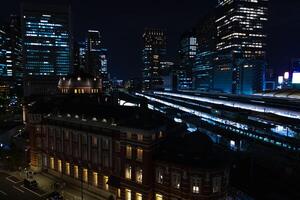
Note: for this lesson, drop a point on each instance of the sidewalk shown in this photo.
(46, 183)
(73, 192)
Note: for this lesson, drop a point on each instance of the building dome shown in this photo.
(80, 83)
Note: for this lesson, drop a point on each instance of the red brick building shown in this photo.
(124, 152)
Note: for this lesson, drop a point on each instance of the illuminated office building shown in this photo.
(14, 50)
(204, 60)
(47, 39)
(154, 51)
(187, 53)
(3, 36)
(82, 54)
(76, 56)
(11, 49)
(241, 46)
(96, 56)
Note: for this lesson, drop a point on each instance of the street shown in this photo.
(12, 188)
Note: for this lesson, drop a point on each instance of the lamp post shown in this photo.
(81, 177)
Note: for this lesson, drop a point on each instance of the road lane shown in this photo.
(12, 191)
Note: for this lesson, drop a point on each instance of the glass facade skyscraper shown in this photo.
(187, 54)
(93, 43)
(14, 54)
(241, 46)
(154, 52)
(206, 51)
(47, 39)
(3, 43)
(96, 56)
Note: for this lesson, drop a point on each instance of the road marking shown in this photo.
(18, 189)
(4, 193)
(9, 179)
(22, 186)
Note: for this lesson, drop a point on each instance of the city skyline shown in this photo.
(150, 100)
(282, 29)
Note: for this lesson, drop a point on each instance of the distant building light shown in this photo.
(280, 80)
(286, 75)
(93, 31)
(296, 78)
(178, 120)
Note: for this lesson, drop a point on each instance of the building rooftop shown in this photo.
(92, 108)
(194, 149)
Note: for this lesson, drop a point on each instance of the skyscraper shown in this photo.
(14, 54)
(47, 38)
(241, 46)
(154, 52)
(204, 59)
(187, 53)
(3, 44)
(93, 43)
(96, 56)
(76, 56)
(82, 54)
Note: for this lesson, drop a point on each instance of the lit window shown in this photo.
(85, 175)
(139, 154)
(158, 197)
(140, 137)
(176, 179)
(160, 134)
(138, 196)
(51, 163)
(76, 171)
(59, 168)
(159, 176)
(139, 175)
(119, 193)
(95, 141)
(95, 179)
(128, 172)
(196, 184)
(153, 136)
(128, 151)
(127, 194)
(75, 91)
(216, 184)
(105, 181)
(68, 168)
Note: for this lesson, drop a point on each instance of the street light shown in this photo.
(81, 178)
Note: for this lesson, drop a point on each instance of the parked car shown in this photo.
(54, 196)
(30, 183)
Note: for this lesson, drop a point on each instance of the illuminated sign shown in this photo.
(296, 78)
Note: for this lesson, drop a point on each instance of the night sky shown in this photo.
(122, 23)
